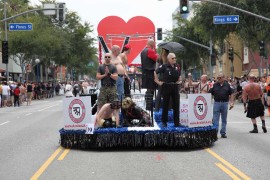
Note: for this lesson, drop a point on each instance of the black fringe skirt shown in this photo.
(255, 108)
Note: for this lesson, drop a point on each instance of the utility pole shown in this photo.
(6, 35)
(211, 52)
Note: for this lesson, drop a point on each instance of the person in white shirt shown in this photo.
(69, 90)
(5, 93)
(244, 82)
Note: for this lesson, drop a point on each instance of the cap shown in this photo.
(127, 47)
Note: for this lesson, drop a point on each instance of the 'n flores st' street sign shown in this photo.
(20, 26)
(229, 19)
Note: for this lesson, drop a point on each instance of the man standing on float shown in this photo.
(148, 61)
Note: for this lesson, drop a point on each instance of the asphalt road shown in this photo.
(29, 146)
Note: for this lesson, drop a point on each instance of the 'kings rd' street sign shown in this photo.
(20, 26)
(228, 19)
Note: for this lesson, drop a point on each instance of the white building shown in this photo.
(15, 72)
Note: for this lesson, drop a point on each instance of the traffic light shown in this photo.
(5, 52)
(159, 33)
(262, 48)
(213, 59)
(230, 53)
(61, 16)
(184, 8)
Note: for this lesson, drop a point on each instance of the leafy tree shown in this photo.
(66, 44)
(250, 30)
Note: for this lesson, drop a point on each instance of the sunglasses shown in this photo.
(108, 57)
(174, 58)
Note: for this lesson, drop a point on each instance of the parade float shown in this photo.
(81, 132)
(196, 130)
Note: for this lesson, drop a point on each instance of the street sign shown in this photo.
(228, 19)
(20, 26)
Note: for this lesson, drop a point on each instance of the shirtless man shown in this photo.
(117, 61)
(123, 56)
(108, 115)
(203, 86)
(253, 92)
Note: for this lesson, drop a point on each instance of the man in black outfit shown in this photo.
(148, 61)
(170, 88)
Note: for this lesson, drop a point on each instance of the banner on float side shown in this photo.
(184, 112)
(200, 111)
(77, 112)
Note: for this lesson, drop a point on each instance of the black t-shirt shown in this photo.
(221, 93)
(107, 81)
(29, 88)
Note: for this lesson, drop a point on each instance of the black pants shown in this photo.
(16, 100)
(127, 87)
(170, 91)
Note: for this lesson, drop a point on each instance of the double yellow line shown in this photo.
(230, 166)
(49, 161)
(220, 165)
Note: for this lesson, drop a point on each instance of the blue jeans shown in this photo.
(220, 108)
(120, 87)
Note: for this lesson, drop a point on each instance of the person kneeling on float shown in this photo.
(133, 115)
(108, 115)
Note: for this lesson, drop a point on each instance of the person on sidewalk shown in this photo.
(254, 94)
(16, 94)
(29, 90)
(222, 93)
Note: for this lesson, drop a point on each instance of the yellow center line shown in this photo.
(241, 174)
(63, 155)
(227, 171)
(46, 164)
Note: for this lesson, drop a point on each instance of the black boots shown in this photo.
(264, 127)
(255, 129)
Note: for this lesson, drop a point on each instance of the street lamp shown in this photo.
(37, 61)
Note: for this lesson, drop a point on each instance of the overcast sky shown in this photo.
(93, 11)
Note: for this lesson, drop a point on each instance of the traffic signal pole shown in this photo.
(6, 36)
(238, 9)
(6, 19)
(260, 69)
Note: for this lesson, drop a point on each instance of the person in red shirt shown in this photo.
(148, 61)
(16, 93)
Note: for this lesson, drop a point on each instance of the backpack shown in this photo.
(16, 91)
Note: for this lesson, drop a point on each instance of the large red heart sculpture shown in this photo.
(139, 28)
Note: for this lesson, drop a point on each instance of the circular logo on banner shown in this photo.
(200, 107)
(76, 110)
